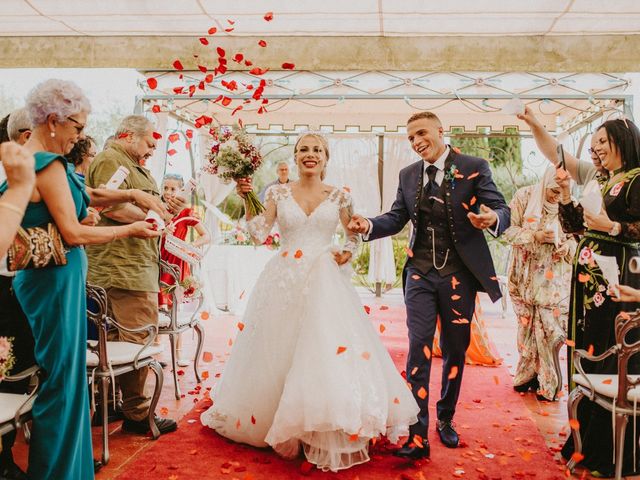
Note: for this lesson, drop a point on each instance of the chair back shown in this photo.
(628, 345)
(97, 305)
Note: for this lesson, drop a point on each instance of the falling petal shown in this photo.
(204, 315)
(367, 309)
(570, 343)
(258, 71)
(155, 109)
(172, 152)
(384, 307)
(207, 357)
(382, 328)
(455, 297)
(174, 137)
(453, 373)
(422, 393)
(240, 326)
(262, 43)
(427, 352)
(178, 65)
(204, 41)
(157, 135)
(473, 175)
(472, 201)
(212, 30)
(288, 66)
(574, 424)
(152, 82)
(298, 254)
(341, 350)
(366, 355)
(548, 274)
(268, 16)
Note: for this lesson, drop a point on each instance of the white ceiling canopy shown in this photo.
(390, 18)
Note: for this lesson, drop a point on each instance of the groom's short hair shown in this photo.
(427, 115)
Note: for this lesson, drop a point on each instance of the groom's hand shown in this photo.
(487, 218)
(358, 224)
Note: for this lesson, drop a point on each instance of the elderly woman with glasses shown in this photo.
(52, 297)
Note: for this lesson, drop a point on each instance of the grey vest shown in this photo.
(432, 230)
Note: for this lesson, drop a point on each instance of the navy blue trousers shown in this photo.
(427, 297)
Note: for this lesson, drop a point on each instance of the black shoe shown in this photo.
(532, 385)
(97, 465)
(114, 416)
(412, 451)
(447, 433)
(11, 471)
(165, 425)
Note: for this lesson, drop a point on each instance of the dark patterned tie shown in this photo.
(431, 188)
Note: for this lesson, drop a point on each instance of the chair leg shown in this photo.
(174, 364)
(621, 426)
(104, 400)
(26, 431)
(157, 371)
(556, 364)
(575, 397)
(199, 330)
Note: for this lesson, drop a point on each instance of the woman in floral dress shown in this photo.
(539, 280)
(613, 232)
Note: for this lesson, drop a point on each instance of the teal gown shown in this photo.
(53, 300)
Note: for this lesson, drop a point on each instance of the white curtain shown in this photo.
(215, 191)
(353, 163)
(397, 155)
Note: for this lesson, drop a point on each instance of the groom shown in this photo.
(449, 199)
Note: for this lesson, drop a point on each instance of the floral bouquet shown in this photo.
(6, 356)
(233, 157)
(191, 286)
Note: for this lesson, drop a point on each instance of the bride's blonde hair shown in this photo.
(324, 143)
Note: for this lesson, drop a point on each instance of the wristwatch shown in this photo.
(616, 229)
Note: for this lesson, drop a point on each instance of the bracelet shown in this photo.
(11, 207)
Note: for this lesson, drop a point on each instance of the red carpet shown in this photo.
(499, 440)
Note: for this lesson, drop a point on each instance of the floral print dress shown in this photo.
(539, 280)
(592, 312)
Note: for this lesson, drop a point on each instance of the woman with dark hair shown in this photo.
(615, 231)
(82, 155)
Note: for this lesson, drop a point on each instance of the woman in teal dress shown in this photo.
(613, 232)
(53, 298)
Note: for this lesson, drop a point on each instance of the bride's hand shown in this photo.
(342, 257)
(243, 186)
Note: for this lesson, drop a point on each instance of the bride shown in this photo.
(308, 370)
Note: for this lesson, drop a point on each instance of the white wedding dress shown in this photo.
(308, 369)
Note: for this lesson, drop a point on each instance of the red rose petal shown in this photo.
(157, 135)
(152, 82)
(288, 66)
(268, 16)
(178, 65)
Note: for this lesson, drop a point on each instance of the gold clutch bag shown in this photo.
(37, 247)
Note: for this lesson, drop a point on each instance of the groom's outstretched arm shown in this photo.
(488, 194)
(391, 222)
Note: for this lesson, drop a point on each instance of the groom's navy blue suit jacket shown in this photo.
(466, 189)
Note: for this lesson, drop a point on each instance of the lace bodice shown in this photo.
(299, 231)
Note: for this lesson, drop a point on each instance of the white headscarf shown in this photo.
(538, 204)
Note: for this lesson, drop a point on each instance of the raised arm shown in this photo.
(260, 225)
(547, 144)
(19, 167)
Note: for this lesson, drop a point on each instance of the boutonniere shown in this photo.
(451, 175)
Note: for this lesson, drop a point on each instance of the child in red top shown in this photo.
(171, 185)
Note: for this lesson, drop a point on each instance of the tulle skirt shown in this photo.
(308, 371)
